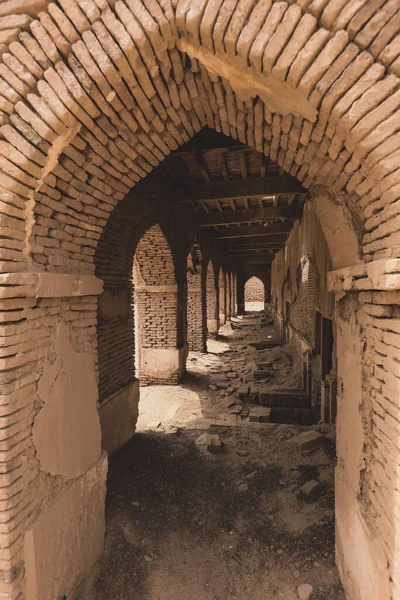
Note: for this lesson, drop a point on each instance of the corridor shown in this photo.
(185, 523)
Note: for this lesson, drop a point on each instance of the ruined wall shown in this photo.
(299, 278)
(254, 290)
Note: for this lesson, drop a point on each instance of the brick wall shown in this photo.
(80, 129)
(299, 278)
(155, 293)
(211, 293)
(302, 309)
(254, 290)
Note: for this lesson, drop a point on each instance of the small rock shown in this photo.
(309, 488)
(305, 591)
(222, 385)
(135, 504)
(296, 574)
(212, 387)
(243, 487)
(251, 475)
(260, 414)
(211, 441)
(308, 441)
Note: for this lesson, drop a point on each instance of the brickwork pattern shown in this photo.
(302, 311)
(211, 293)
(156, 305)
(196, 323)
(222, 296)
(93, 96)
(254, 290)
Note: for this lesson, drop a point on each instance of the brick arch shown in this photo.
(254, 290)
(156, 306)
(84, 126)
(96, 96)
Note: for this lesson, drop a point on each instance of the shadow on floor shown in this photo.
(184, 524)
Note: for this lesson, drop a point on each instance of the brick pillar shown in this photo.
(367, 505)
(222, 297)
(195, 321)
(196, 310)
(228, 297)
(52, 435)
(160, 361)
(212, 303)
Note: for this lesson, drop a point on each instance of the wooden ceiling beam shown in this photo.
(278, 238)
(250, 216)
(248, 188)
(244, 231)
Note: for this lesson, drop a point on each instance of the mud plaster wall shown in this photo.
(254, 290)
(299, 278)
(59, 336)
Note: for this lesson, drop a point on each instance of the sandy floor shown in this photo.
(187, 524)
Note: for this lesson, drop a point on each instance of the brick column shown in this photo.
(368, 426)
(222, 298)
(195, 321)
(55, 489)
(160, 360)
(212, 303)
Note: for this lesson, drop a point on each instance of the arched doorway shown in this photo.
(155, 306)
(254, 295)
(87, 114)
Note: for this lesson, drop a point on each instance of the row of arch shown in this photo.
(168, 314)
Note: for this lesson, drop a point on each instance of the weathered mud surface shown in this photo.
(187, 524)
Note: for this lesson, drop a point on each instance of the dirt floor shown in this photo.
(184, 523)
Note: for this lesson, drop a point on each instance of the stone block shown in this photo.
(211, 441)
(66, 540)
(308, 441)
(309, 488)
(260, 414)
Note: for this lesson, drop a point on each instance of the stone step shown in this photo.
(292, 416)
(279, 399)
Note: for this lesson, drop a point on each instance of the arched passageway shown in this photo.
(254, 294)
(155, 303)
(94, 95)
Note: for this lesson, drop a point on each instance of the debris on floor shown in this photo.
(235, 507)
